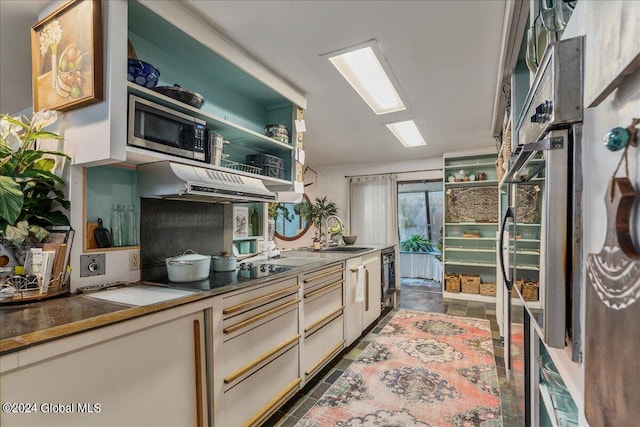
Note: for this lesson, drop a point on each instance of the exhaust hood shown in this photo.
(176, 181)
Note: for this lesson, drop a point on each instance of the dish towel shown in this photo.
(360, 278)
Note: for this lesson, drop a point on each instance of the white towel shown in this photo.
(360, 279)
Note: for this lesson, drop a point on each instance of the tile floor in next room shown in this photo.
(416, 294)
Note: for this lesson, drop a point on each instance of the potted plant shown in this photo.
(30, 194)
(316, 213)
(417, 243)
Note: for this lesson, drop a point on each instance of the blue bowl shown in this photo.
(142, 73)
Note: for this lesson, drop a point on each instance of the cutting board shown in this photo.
(612, 362)
(90, 237)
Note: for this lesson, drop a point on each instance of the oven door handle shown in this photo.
(508, 214)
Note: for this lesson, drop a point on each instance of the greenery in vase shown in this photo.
(29, 189)
(417, 243)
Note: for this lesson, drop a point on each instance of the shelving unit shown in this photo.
(238, 104)
(471, 219)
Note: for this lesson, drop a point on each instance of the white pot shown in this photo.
(224, 262)
(188, 267)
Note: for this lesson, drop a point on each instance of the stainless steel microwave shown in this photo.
(155, 127)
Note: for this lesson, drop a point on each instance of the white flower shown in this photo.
(10, 135)
(42, 119)
(50, 36)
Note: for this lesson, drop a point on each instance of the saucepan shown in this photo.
(188, 267)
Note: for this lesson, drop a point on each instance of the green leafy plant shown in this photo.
(417, 243)
(29, 189)
(316, 213)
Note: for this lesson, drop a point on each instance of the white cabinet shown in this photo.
(361, 312)
(148, 371)
(323, 293)
(255, 352)
(373, 288)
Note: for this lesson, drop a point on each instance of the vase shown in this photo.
(54, 69)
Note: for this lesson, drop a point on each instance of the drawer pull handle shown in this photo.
(325, 358)
(366, 292)
(323, 289)
(246, 368)
(253, 319)
(256, 301)
(326, 319)
(198, 355)
(320, 276)
(273, 404)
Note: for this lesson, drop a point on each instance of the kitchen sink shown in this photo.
(346, 249)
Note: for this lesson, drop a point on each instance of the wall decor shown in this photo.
(527, 204)
(66, 57)
(612, 396)
(472, 204)
(240, 222)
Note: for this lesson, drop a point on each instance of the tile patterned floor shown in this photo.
(419, 295)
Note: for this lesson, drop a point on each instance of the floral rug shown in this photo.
(423, 369)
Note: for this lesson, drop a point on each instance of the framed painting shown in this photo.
(240, 222)
(66, 57)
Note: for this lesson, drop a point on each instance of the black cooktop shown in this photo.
(244, 273)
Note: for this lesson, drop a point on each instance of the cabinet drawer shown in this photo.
(256, 310)
(323, 302)
(252, 400)
(254, 347)
(322, 345)
(240, 301)
(322, 276)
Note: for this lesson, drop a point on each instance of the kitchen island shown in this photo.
(260, 338)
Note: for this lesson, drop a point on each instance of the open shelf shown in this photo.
(484, 183)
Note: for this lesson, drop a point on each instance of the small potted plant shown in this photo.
(316, 213)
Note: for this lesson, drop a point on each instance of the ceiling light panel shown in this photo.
(407, 133)
(364, 71)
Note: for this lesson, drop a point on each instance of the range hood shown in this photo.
(176, 181)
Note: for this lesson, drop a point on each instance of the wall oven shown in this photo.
(541, 228)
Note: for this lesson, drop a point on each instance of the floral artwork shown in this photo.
(240, 222)
(66, 53)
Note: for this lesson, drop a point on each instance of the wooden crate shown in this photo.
(470, 283)
(452, 283)
(488, 289)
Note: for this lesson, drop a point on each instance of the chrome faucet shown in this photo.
(326, 228)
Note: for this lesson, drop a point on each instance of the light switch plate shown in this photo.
(93, 265)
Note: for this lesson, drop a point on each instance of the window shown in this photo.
(420, 210)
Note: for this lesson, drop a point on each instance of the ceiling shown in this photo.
(445, 56)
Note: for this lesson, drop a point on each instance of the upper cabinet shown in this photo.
(241, 96)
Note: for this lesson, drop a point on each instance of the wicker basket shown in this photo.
(530, 290)
(452, 283)
(518, 284)
(470, 283)
(488, 289)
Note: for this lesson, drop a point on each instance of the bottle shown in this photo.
(255, 222)
(116, 225)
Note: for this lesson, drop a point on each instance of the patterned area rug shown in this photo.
(423, 369)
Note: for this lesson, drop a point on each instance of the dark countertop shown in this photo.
(26, 324)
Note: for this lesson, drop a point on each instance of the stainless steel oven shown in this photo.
(545, 175)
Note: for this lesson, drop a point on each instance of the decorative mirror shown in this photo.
(290, 225)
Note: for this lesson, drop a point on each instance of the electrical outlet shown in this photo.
(93, 265)
(134, 260)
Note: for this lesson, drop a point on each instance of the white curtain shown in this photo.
(373, 212)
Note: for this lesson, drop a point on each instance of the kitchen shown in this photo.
(327, 166)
